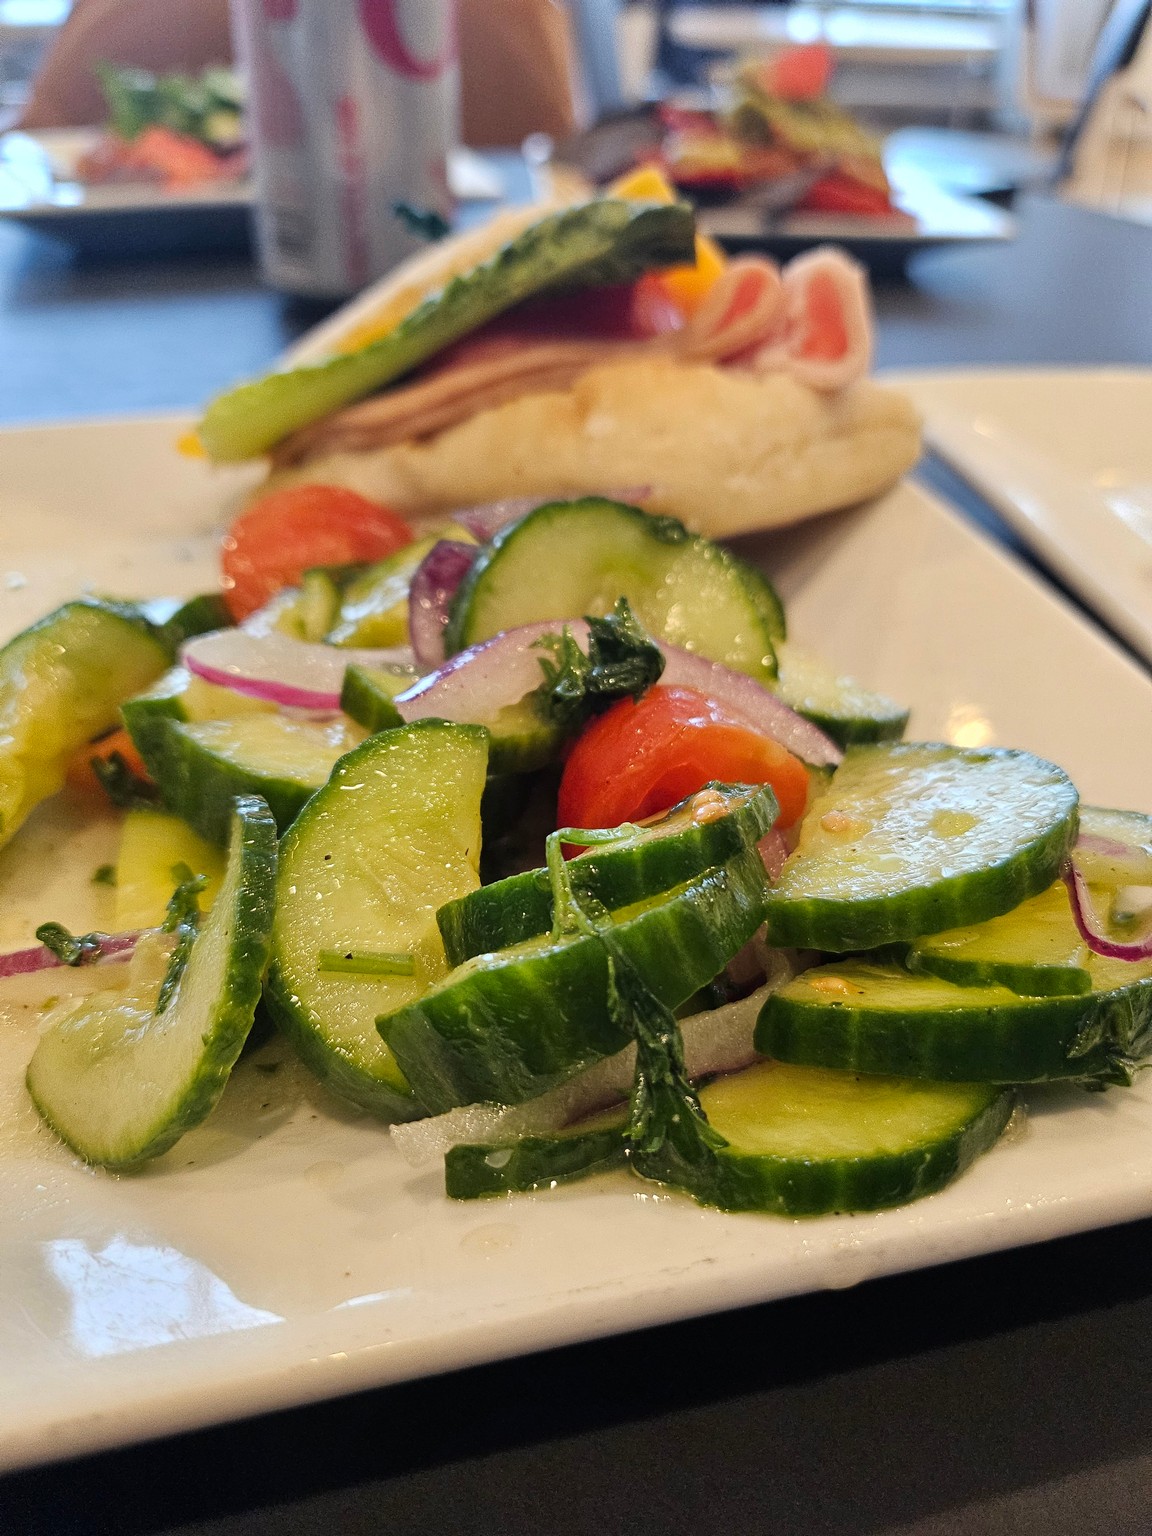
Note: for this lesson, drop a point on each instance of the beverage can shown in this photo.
(353, 109)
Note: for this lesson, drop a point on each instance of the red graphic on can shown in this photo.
(279, 10)
(353, 191)
(381, 23)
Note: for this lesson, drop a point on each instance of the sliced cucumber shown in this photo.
(706, 829)
(374, 607)
(806, 1142)
(513, 1024)
(802, 1141)
(911, 838)
(366, 696)
(178, 695)
(120, 1082)
(177, 621)
(838, 705)
(393, 835)
(572, 558)
(472, 1170)
(205, 764)
(880, 1018)
(61, 684)
(1129, 860)
(153, 844)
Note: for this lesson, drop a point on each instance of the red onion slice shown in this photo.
(437, 579)
(38, 957)
(773, 851)
(477, 683)
(1089, 926)
(293, 674)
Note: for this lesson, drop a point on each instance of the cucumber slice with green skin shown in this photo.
(882, 1019)
(374, 607)
(766, 599)
(178, 695)
(802, 1141)
(840, 707)
(1129, 862)
(912, 838)
(513, 1024)
(1034, 950)
(366, 696)
(177, 621)
(205, 764)
(604, 241)
(806, 1142)
(707, 829)
(568, 559)
(393, 835)
(472, 1171)
(61, 684)
(119, 1082)
(152, 844)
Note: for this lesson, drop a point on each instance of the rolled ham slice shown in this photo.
(811, 320)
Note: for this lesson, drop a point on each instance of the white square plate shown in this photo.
(283, 1252)
(1066, 456)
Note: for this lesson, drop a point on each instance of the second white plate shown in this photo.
(1066, 456)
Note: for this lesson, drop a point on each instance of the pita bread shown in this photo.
(725, 450)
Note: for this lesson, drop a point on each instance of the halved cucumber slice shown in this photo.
(807, 1142)
(838, 705)
(911, 838)
(153, 843)
(120, 1082)
(205, 764)
(393, 835)
(572, 558)
(374, 607)
(1035, 950)
(178, 695)
(513, 1024)
(706, 829)
(366, 696)
(178, 620)
(1129, 860)
(61, 683)
(880, 1018)
(802, 1141)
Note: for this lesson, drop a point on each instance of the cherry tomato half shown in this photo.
(638, 759)
(287, 532)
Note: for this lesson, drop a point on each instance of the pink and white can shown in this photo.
(353, 108)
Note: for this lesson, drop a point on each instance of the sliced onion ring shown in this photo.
(477, 683)
(293, 674)
(434, 585)
(1089, 926)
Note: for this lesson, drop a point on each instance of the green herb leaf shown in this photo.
(183, 919)
(366, 962)
(669, 1137)
(104, 874)
(623, 661)
(70, 948)
(125, 789)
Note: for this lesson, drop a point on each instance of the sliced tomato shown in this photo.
(284, 534)
(638, 759)
(82, 776)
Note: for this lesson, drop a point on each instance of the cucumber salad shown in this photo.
(543, 844)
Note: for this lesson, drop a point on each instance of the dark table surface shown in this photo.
(1004, 1394)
